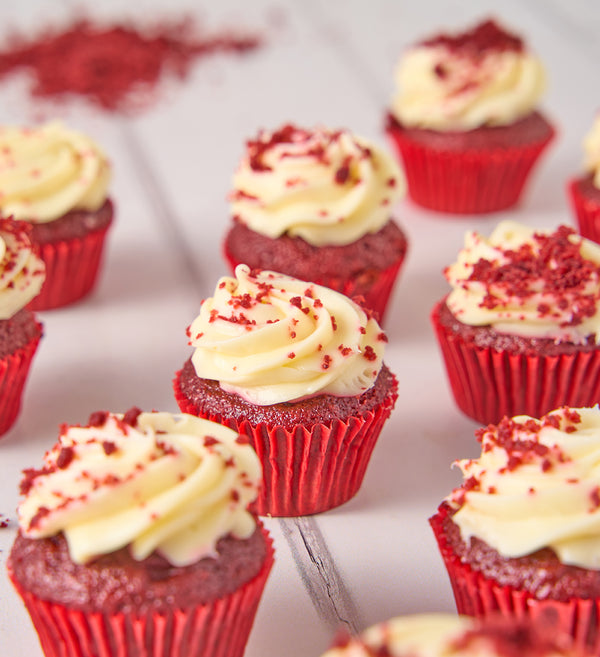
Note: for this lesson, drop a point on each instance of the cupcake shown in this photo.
(299, 369)
(21, 278)
(56, 179)
(317, 205)
(584, 191)
(448, 635)
(464, 119)
(519, 330)
(521, 535)
(135, 539)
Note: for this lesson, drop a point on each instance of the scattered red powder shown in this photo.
(116, 67)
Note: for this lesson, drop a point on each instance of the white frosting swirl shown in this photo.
(170, 483)
(271, 338)
(528, 282)
(535, 485)
(591, 146)
(327, 187)
(21, 271)
(449, 635)
(48, 171)
(461, 88)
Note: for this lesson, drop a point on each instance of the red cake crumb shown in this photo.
(481, 39)
(4, 522)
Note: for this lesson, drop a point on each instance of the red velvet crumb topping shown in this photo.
(484, 37)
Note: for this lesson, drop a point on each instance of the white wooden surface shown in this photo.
(322, 62)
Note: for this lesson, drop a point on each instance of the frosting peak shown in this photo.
(484, 76)
(536, 484)
(328, 187)
(21, 271)
(151, 481)
(272, 338)
(49, 170)
(535, 283)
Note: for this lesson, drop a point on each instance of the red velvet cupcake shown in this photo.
(584, 191)
(317, 205)
(298, 368)
(449, 635)
(21, 278)
(56, 180)
(135, 540)
(519, 332)
(464, 119)
(520, 536)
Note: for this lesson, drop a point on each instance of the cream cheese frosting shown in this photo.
(449, 635)
(591, 147)
(22, 273)
(48, 170)
(522, 281)
(328, 187)
(536, 484)
(481, 77)
(174, 484)
(272, 338)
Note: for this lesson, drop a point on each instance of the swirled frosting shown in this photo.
(271, 338)
(21, 271)
(535, 485)
(448, 635)
(591, 147)
(533, 283)
(328, 187)
(174, 484)
(49, 170)
(481, 77)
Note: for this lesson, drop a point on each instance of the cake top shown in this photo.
(448, 635)
(536, 484)
(591, 147)
(174, 484)
(328, 187)
(49, 170)
(272, 338)
(484, 76)
(537, 283)
(22, 273)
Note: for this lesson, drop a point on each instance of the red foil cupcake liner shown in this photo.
(14, 370)
(307, 471)
(587, 211)
(371, 289)
(217, 629)
(478, 596)
(471, 182)
(71, 269)
(488, 384)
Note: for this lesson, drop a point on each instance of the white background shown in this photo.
(322, 62)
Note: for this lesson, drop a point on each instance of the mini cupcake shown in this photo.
(584, 191)
(519, 331)
(21, 278)
(448, 635)
(464, 119)
(56, 180)
(299, 369)
(521, 536)
(317, 205)
(135, 539)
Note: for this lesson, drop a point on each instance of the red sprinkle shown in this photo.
(88, 60)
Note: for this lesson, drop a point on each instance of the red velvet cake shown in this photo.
(519, 536)
(584, 191)
(135, 539)
(317, 205)
(464, 120)
(62, 193)
(298, 369)
(519, 332)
